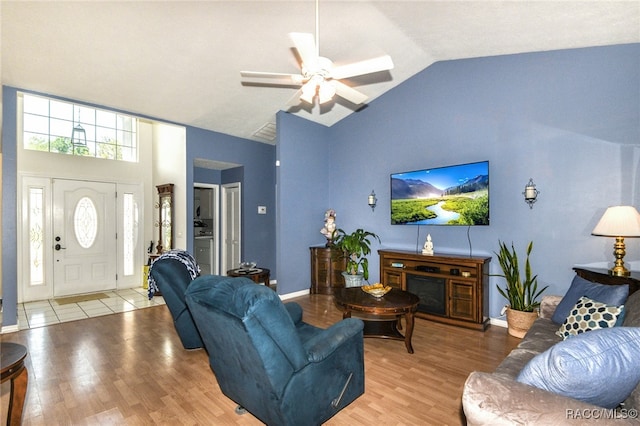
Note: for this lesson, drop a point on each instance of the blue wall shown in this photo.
(304, 192)
(201, 175)
(257, 176)
(9, 212)
(568, 119)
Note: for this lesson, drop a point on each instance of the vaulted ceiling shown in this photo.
(180, 61)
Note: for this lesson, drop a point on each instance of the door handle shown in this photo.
(59, 247)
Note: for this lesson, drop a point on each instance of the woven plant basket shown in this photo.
(519, 322)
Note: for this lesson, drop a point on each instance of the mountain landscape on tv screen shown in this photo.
(415, 188)
(418, 201)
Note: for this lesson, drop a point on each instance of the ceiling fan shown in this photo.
(318, 76)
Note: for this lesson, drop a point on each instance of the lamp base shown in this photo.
(619, 271)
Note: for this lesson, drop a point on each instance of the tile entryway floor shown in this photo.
(48, 312)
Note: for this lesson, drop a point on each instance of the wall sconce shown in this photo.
(530, 193)
(619, 222)
(372, 200)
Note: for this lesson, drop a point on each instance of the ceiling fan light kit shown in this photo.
(318, 77)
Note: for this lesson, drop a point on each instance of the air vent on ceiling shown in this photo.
(266, 132)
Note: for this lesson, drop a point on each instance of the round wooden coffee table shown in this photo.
(381, 315)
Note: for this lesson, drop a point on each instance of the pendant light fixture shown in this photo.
(78, 135)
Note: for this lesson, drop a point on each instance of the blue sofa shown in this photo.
(270, 362)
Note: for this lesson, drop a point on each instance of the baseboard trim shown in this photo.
(498, 322)
(9, 329)
(294, 294)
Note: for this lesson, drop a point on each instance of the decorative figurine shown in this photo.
(428, 246)
(329, 226)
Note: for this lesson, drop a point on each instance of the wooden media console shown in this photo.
(453, 289)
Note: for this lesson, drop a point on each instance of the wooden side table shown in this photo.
(257, 275)
(12, 357)
(598, 275)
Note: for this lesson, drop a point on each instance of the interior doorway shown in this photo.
(231, 225)
(225, 179)
(206, 227)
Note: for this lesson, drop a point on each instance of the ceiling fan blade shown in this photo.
(382, 63)
(346, 92)
(306, 47)
(295, 99)
(272, 78)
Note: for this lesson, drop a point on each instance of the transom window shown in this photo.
(50, 124)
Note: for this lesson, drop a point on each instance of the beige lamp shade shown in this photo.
(619, 221)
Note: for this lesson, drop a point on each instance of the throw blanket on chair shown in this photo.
(180, 255)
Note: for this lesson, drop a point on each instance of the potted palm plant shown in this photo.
(355, 247)
(521, 293)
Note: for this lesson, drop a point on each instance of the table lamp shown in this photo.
(619, 222)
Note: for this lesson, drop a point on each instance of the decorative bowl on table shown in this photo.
(247, 266)
(376, 290)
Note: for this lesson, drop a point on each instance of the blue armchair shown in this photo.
(271, 363)
(172, 277)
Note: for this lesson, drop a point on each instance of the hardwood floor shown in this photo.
(130, 368)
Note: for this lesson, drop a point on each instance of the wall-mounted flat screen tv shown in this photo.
(452, 195)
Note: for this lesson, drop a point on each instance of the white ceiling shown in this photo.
(180, 61)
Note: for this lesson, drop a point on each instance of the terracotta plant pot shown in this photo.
(519, 322)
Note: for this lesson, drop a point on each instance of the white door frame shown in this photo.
(215, 264)
(230, 260)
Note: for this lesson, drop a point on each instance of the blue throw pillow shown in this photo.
(601, 367)
(610, 294)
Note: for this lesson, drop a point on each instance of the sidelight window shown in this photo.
(36, 235)
(130, 224)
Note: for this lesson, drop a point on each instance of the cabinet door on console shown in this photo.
(326, 270)
(462, 300)
(392, 278)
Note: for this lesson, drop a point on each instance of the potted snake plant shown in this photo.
(522, 293)
(355, 247)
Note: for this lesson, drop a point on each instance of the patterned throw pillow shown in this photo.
(589, 315)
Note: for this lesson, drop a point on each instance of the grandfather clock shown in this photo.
(165, 217)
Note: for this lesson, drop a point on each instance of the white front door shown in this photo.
(231, 209)
(84, 237)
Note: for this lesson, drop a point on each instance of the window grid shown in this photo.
(49, 123)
